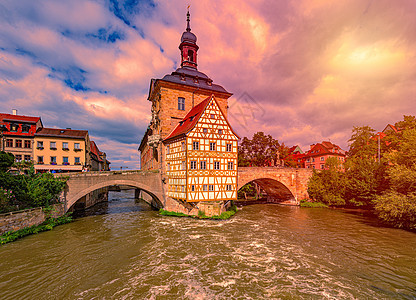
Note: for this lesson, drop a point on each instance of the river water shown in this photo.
(124, 250)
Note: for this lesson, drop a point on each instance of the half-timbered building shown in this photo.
(201, 156)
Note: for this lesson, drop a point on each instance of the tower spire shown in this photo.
(188, 15)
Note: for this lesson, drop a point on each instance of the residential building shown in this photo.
(98, 160)
(18, 133)
(61, 150)
(201, 156)
(297, 156)
(172, 97)
(318, 154)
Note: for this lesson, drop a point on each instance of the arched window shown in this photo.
(190, 55)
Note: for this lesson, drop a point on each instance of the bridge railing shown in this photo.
(106, 173)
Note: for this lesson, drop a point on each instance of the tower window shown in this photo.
(181, 103)
(190, 55)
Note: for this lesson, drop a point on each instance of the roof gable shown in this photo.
(193, 117)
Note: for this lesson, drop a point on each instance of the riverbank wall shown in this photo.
(16, 220)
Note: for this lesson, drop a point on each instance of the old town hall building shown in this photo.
(189, 138)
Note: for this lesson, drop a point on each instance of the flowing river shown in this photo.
(124, 250)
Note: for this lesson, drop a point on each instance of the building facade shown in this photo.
(61, 150)
(201, 156)
(172, 97)
(318, 154)
(18, 135)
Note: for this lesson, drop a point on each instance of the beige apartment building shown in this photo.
(61, 150)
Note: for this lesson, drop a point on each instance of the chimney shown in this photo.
(14, 112)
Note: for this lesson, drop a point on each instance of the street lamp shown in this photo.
(3, 128)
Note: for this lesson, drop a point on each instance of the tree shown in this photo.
(260, 151)
(6, 161)
(362, 145)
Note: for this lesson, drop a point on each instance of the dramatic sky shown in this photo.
(302, 71)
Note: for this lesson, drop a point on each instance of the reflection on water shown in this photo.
(126, 250)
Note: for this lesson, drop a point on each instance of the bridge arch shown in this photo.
(73, 198)
(276, 191)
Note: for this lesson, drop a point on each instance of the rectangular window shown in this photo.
(18, 143)
(25, 128)
(229, 147)
(65, 146)
(52, 145)
(182, 188)
(27, 158)
(322, 158)
(40, 159)
(65, 160)
(181, 103)
(168, 167)
(211, 146)
(9, 143)
(322, 167)
(77, 161)
(183, 146)
(167, 149)
(229, 187)
(308, 160)
(14, 127)
(195, 146)
(203, 165)
(219, 131)
(53, 160)
(183, 165)
(192, 188)
(211, 187)
(216, 165)
(205, 187)
(212, 116)
(76, 146)
(18, 157)
(205, 130)
(193, 164)
(230, 165)
(40, 145)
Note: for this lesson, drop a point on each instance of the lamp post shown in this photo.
(3, 128)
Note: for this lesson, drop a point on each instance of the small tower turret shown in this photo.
(188, 46)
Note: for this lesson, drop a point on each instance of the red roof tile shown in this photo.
(56, 132)
(9, 117)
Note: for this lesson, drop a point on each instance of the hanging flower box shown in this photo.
(53, 163)
(66, 163)
(39, 148)
(78, 163)
(53, 148)
(77, 149)
(65, 149)
(40, 162)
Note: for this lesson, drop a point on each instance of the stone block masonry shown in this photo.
(25, 218)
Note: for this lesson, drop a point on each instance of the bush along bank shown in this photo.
(49, 224)
(201, 215)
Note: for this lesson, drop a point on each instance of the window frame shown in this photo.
(181, 103)
(217, 165)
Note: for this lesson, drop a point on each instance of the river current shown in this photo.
(124, 250)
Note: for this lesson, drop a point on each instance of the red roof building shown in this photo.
(318, 154)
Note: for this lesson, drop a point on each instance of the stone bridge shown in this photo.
(81, 184)
(280, 184)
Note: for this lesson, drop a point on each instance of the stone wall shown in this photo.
(25, 218)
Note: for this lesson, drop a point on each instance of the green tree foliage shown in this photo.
(260, 151)
(397, 205)
(6, 161)
(30, 190)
